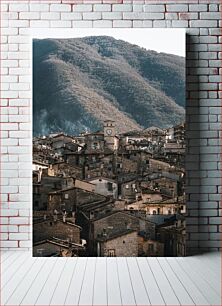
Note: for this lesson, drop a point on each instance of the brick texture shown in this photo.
(201, 18)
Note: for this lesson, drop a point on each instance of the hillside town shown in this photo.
(110, 194)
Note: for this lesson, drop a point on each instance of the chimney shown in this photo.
(39, 175)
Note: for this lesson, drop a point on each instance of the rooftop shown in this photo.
(112, 236)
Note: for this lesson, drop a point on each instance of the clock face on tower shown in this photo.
(108, 132)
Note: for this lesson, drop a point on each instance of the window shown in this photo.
(111, 253)
(150, 247)
(110, 186)
(66, 196)
(127, 187)
(95, 145)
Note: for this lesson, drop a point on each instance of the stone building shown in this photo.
(94, 142)
(150, 248)
(108, 166)
(84, 185)
(61, 140)
(45, 249)
(166, 186)
(122, 244)
(38, 165)
(73, 198)
(179, 132)
(42, 188)
(130, 190)
(65, 169)
(126, 165)
(105, 186)
(64, 199)
(110, 137)
(173, 235)
(118, 221)
(158, 165)
(57, 248)
(48, 229)
(163, 208)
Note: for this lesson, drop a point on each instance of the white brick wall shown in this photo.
(200, 17)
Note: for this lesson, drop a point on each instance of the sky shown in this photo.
(161, 40)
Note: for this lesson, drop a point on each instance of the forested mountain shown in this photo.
(80, 82)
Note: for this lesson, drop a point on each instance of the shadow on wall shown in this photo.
(193, 191)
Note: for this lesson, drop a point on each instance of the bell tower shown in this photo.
(110, 134)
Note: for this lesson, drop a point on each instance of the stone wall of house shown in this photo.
(67, 170)
(145, 250)
(156, 165)
(128, 166)
(84, 185)
(105, 187)
(84, 197)
(63, 200)
(122, 221)
(48, 229)
(126, 246)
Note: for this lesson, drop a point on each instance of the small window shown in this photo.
(95, 145)
(66, 196)
(127, 186)
(110, 186)
(150, 247)
(111, 253)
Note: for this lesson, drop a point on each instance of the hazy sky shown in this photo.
(161, 40)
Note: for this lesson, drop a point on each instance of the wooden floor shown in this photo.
(110, 281)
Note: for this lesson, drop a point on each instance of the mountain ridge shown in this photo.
(80, 82)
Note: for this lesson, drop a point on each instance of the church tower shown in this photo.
(111, 140)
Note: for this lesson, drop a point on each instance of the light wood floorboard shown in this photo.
(82, 281)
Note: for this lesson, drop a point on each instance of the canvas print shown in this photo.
(109, 143)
